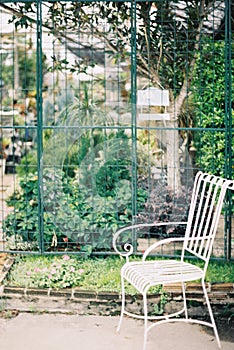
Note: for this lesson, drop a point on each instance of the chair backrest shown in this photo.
(204, 213)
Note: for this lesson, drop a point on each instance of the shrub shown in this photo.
(164, 205)
(209, 107)
(86, 187)
(74, 216)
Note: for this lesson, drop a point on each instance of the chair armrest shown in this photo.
(159, 243)
(128, 247)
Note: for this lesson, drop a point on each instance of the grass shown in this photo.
(64, 272)
(98, 274)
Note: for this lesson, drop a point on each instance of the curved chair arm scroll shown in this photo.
(128, 247)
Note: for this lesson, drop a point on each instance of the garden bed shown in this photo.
(100, 294)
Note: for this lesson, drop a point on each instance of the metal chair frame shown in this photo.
(205, 208)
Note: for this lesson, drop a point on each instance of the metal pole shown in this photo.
(134, 111)
(228, 124)
(39, 123)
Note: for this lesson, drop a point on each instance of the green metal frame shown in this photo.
(229, 125)
(228, 130)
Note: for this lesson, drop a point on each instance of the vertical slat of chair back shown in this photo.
(206, 205)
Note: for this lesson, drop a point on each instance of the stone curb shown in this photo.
(88, 302)
(216, 291)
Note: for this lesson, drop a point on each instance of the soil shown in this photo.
(3, 258)
(7, 314)
(225, 329)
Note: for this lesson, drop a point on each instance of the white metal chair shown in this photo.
(206, 204)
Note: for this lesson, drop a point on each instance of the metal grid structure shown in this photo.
(108, 110)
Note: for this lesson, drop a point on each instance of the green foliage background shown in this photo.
(209, 106)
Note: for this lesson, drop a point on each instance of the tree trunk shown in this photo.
(173, 162)
(173, 145)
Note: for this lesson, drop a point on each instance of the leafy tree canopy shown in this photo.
(166, 34)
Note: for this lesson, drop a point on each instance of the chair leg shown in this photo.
(211, 314)
(185, 302)
(145, 320)
(122, 304)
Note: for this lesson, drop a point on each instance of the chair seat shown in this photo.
(143, 275)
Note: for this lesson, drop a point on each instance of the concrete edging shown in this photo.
(89, 302)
